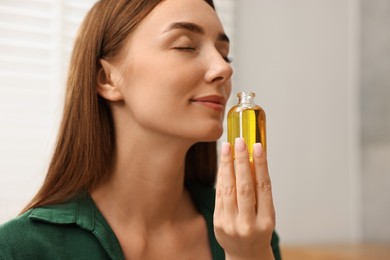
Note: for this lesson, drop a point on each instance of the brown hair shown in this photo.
(85, 145)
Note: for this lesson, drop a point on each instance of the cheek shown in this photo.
(164, 73)
(183, 73)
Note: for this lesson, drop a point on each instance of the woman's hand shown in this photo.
(244, 216)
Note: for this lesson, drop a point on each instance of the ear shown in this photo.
(107, 82)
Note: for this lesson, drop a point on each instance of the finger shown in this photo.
(227, 182)
(218, 211)
(265, 205)
(246, 196)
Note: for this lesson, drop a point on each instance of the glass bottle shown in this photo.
(247, 120)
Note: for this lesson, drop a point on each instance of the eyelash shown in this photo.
(189, 48)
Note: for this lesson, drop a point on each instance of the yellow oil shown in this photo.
(247, 120)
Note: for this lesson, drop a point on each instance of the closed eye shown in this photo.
(193, 49)
(188, 48)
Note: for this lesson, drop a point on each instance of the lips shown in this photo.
(213, 101)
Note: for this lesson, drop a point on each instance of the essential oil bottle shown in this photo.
(247, 120)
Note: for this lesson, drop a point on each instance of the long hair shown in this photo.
(85, 146)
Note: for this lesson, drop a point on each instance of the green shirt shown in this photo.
(77, 230)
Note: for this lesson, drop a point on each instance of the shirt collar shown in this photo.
(82, 212)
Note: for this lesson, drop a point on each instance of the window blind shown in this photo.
(36, 37)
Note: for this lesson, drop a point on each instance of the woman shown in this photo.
(133, 171)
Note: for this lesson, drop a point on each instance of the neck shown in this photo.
(147, 183)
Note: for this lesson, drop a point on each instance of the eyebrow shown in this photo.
(192, 27)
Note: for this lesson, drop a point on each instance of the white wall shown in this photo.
(301, 58)
(376, 119)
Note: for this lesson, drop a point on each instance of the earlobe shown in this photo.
(107, 85)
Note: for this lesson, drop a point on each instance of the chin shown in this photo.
(212, 135)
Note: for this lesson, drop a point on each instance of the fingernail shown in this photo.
(239, 144)
(257, 149)
(225, 150)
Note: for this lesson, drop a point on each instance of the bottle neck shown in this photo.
(245, 98)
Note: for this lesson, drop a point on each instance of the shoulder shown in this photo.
(18, 237)
(17, 229)
(13, 228)
(46, 233)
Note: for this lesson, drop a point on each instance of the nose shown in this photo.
(219, 70)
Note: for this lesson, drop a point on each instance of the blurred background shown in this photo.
(320, 69)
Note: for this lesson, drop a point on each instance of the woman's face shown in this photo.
(174, 75)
